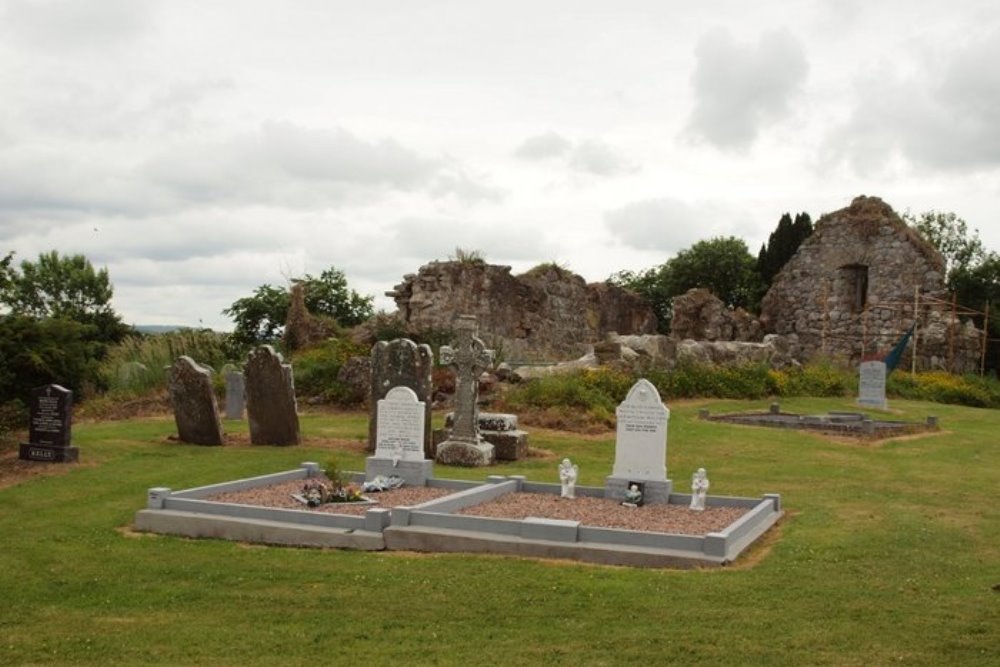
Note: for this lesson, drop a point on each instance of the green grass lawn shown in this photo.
(888, 555)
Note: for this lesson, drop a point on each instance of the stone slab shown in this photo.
(489, 421)
(400, 431)
(871, 384)
(193, 400)
(51, 416)
(641, 438)
(192, 524)
(416, 538)
(413, 473)
(30, 452)
(272, 411)
(508, 445)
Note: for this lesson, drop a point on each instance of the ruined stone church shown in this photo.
(850, 291)
(858, 283)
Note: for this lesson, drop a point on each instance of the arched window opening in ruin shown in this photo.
(855, 281)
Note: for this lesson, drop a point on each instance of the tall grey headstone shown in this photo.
(235, 395)
(469, 358)
(401, 363)
(871, 384)
(50, 426)
(399, 448)
(195, 411)
(272, 412)
(641, 445)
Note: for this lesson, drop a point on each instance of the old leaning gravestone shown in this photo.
(50, 428)
(401, 363)
(272, 412)
(871, 384)
(399, 446)
(195, 411)
(641, 446)
(469, 357)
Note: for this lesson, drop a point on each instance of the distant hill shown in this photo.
(159, 328)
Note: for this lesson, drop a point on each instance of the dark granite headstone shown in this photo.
(401, 363)
(49, 433)
(195, 411)
(270, 393)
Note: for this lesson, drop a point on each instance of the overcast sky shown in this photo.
(200, 148)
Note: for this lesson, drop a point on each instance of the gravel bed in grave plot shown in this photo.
(589, 511)
(280, 495)
(608, 513)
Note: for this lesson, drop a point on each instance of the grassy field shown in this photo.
(889, 555)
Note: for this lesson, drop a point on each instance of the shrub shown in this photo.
(13, 417)
(817, 379)
(136, 365)
(690, 380)
(316, 369)
(942, 387)
(596, 392)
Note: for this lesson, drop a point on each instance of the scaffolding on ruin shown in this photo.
(916, 310)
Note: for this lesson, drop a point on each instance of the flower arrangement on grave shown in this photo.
(340, 490)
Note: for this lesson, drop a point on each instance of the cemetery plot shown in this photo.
(440, 517)
(854, 424)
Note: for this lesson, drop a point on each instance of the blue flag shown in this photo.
(892, 359)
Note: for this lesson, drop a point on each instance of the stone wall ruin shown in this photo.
(548, 313)
(851, 288)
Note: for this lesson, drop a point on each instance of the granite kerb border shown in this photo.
(166, 509)
(194, 504)
(722, 546)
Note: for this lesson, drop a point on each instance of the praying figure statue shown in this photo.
(699, 489)
(633, 496)
(567, 477)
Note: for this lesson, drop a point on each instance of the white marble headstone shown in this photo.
(400, 431)
(641, 443)
(871, 384)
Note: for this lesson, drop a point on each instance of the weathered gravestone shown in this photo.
(469, 357)
(193, 400)
(871, 384)
(641, 446)
(272, 412)
(235, 395)
(399, 442)
(49, 432)
(401, 363)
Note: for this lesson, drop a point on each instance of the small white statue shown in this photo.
(699, 489)
(633, 496)
(567, 477)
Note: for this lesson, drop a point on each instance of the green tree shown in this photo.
(6, 273)
(62, 287)
(260, 318)
(962, 250)
(972, 271)
(37, 351)
(723, 265)
(783, 242)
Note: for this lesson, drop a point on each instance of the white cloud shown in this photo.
(590, 156)
(60, 25)
(596, 157)
(543, 146)
(669, 224)
(281, 164)
(740, 89)
(941, 116)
